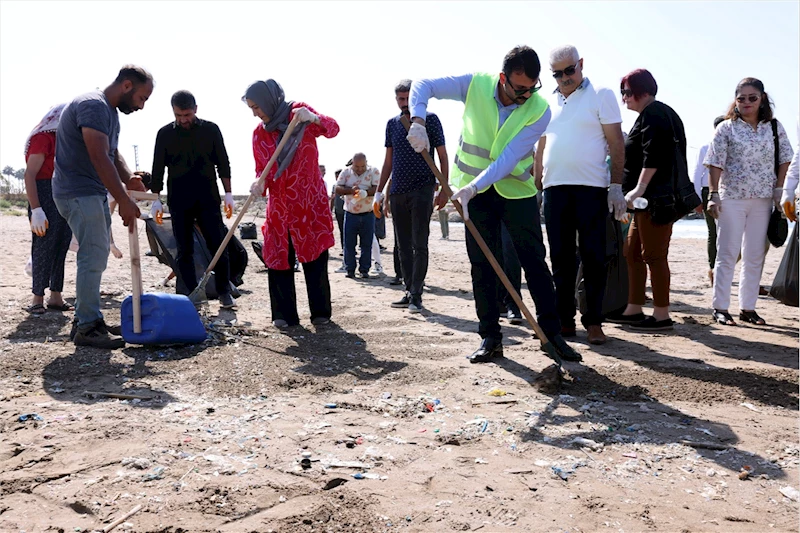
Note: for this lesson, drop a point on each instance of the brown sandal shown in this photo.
(752, 318)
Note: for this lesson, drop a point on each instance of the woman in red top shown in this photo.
(51, 234)
(298, 220)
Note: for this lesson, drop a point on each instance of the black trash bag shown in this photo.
(162, 244)
(247, 230)
(615, 298)
(785, 287)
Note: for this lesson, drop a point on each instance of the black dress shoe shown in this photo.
(489, 349)
(396, 281)
(566, 351)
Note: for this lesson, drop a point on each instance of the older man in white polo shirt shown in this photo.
(571, 168)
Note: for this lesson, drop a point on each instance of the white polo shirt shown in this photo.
(575, 149)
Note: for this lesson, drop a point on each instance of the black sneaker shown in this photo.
(415, 306)
(396, 281)
(402, 302)
(96, 337)
(514, 317)
(110, 330)
(364, 275)
(226, 301)
(351, 275)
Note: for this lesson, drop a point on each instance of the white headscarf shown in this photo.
(48, 123)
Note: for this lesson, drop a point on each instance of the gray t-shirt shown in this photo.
(74, 175)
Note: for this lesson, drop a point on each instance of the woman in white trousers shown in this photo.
(743, 186)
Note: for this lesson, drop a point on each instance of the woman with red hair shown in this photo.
(649, 160)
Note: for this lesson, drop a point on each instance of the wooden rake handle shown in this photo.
(292, 125)
(481, 243)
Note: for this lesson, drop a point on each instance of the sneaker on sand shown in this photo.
(416, 304)
(402, 302)
(377, 270)
(97, 337)
(226, 301)
(341, 269)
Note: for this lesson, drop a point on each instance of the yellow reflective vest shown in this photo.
(482, 140)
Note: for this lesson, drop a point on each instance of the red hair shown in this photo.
(641, 82)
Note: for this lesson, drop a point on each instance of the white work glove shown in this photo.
(637, 192)
(39, 222)
(304, 115)
(377, 199)
(156, 208)
(714, 205)
(257, 188)
(616, 201)
(463, 196)
(229, 205)
(777, 194)
(418, 137)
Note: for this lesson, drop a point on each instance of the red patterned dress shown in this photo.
(298, 201)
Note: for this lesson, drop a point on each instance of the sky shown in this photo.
(344, 59)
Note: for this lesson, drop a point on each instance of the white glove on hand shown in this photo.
(616, 201)
(714, 205)
(156, 208)
(39, 222)
(637, 192)
(418, 137)
(229, 205)
(463, 196)
(777, 194)
(378, 199)
(257, 188)
(304, 115)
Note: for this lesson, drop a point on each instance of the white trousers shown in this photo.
(742, 226)
(376, 251)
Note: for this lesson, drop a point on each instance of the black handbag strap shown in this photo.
(774, 123)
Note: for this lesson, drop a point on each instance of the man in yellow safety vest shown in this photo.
(504, 117)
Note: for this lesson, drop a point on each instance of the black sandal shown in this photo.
(723, 317)
(752, 318)
(36, 309)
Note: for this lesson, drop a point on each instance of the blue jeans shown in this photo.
(89, 219)
(358, 226)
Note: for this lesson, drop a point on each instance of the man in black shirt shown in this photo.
(194, 152)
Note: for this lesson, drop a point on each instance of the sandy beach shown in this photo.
(400, 432)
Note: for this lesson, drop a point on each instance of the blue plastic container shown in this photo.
(166, 319)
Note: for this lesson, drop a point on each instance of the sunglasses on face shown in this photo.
(626, 93)
(524, 90)
(569, 71)
(751, 98)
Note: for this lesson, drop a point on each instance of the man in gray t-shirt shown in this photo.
(88, 166)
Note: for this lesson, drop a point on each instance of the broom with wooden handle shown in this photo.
(199, 294)
(546, 344)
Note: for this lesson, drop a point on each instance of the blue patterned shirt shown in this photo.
(409, 170)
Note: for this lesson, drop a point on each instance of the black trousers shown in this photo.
(340, 223)
(711, 243)
(412, 218)
(48, 253)
(512, 269)
(571, 209)
(205, 212)
(488, 211)
(283, 296)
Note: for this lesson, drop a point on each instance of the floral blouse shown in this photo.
(747, 158)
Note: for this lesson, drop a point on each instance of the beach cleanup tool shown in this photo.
(156, 318)
(199, 294)
(550, 377)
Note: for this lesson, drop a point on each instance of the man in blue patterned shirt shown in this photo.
(411, 196)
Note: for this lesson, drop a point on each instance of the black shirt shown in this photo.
(651, 144)
(193, 157)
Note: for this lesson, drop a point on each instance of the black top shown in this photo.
(193, 157)
(651, 144)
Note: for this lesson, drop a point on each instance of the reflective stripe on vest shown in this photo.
(483, 140)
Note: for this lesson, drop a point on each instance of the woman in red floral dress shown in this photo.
(298, 221)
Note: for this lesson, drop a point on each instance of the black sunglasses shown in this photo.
(626, 92)
(569, 71)
(520, 92)
(752, 98)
